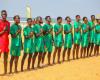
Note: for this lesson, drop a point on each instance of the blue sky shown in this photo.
(53, 8)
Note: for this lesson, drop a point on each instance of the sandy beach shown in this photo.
(81, 69)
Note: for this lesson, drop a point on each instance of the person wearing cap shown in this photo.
(68, 38)
(48, 37)
(38, 41)
(4, 39)
(85, 37)
(77, 37)
(58, 39)
(97, 38)
(28, 43)
(91, 35)
(16, 42)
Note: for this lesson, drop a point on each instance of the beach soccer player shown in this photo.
(48, 37)
(68, 38)
(16, 42)
(92, 24)
(97, 38)
(38, 41)
(85, 37)
(58, 40)
(77, 37)
(4, 39)
(28, 43)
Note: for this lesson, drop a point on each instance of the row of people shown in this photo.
(39, 39)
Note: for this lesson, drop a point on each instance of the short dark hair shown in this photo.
(29, 19)
(59, 18)
(77, 16)
(84, 18)
(92, 15)
(67, 17)
(16, 16)
(3, 11)
(47, 17)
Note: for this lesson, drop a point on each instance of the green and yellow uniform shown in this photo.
(68, 37)
(16, 42)
(85, 35)
(38, 40)
(97, 35)
(48, 37)
(77, 35)
(28, 42)
(91, 32)
(58, 40)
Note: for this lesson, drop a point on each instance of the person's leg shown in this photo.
(54, 54)
(5, 62)
(29, 61)
(49, 58)
(16, 63)
(91, 49)
(43, 57)
(88, 49)
(64, 52)
(68, 54)
(59, 52)
(0, 54)
(97, 50)
(84, 52)
(39, 59)
(34, 58)
(74, 50)
(77, 51)
(23, 60)
(11, 64)
(81, 55)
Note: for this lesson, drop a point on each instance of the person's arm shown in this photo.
(59, 31)
(67, 32)
(39, 34)
(97, 31)
(92, 27)
(3, 31)
(86, 30)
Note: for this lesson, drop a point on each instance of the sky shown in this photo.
(53, 8)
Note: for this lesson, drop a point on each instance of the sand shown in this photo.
(81, 69)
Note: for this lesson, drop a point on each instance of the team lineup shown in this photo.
(39, 39)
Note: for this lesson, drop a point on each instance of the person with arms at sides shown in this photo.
(48, 37)
(16, 42)
(85, 37)
(58, 41)
(28, 43)
(77, 37)
(92, 24)
(68, 38)
(38, 41)
(4, 38)
(97, 38)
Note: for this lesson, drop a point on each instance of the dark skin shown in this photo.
(67, 49)
(57, 49)
(84, 49)
(25, 54)
(39, 54)
(76, 46)
(91, 45)
(4, 16)
(15, 58)
(96, 50)
(49, 53)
